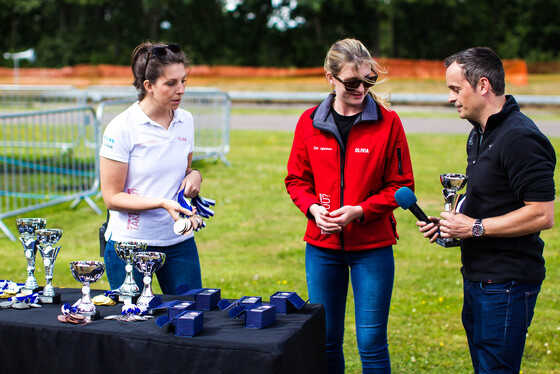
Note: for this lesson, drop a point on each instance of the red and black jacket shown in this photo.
(367, 172)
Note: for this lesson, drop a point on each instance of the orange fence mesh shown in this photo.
(516, 71)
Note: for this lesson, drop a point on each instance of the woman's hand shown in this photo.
(175, 209)
(348, 213)
(322, 219)
(191, 183)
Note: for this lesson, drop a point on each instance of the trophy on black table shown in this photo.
(47, 238)
(27, 228)
(452, 183)
(128, 291)
(87, 272)
(147, 263)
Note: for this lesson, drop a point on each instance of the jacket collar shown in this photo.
(494, 120)
(324, 120)
(323, 112)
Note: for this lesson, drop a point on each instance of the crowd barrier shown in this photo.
(46, 158)
(210, 109)
(50, 156)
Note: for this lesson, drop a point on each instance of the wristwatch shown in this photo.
(477, 228)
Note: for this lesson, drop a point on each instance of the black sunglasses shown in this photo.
(161, 52)
(353, 84)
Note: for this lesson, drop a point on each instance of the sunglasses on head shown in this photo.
(161, 51)
(354, 83)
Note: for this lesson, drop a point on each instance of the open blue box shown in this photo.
(260, 316)
(205, 298)
(236, 308)
(287, 302)
(189, 323)
(180, 306)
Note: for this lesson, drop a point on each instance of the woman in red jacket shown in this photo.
(348, 157)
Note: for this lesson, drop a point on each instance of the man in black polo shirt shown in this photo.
(509, 200)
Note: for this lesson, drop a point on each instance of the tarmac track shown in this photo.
(438, 124)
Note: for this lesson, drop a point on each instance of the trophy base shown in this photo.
(444, 242)
(92, 317)
(128, 299)
(26, 291)
(50, 299)
(152, 305)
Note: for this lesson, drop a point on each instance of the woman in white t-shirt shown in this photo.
(145, 161)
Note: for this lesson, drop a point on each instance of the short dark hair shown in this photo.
(480, 62)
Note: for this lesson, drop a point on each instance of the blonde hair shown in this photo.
(353, 53)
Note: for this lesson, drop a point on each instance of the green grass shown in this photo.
(253, 246)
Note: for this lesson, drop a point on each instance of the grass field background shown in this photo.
(253, 246)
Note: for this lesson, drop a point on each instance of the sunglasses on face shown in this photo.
(160, 52)
(354, 83)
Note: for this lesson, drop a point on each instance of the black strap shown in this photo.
(102, 241)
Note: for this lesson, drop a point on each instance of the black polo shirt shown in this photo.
(512, 163)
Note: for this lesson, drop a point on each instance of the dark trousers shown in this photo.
(496, 317)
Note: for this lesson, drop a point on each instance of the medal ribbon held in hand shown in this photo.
(201, 207)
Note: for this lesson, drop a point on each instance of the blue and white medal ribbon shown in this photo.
(201, 204)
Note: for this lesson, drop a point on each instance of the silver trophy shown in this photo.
(87, 272)
(46, 239)
(128, 291)
(452, 183)
(27, 228)
(147, 263)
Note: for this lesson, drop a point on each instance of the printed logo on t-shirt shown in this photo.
(133, 222)
(151, 141)
(108, 142)
(181, 138)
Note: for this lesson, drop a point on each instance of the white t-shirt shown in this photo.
(157, 162)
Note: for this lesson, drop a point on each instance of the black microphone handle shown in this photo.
(419, 213)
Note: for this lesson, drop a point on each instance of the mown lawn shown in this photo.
(253, 246)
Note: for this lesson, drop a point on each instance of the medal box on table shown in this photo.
(189, 323)
(205, 298)
(178, 308)
(287, 302)
(261, 316)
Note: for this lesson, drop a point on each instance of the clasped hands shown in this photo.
(334, 221)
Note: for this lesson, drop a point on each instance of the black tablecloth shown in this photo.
(34, 341)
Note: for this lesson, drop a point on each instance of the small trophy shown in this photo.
(147, 263)
(452, 183)
(128, 291)
(47, 238)
(27, 227)
(87, 272)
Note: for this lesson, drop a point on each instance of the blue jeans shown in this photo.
(181, 266)
(496, 317)
(372, 273)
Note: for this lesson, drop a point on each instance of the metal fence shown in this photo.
(31, 98)
(46, 158)
(210, 109)
(51, 156)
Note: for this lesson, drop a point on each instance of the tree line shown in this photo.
(275, 32)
